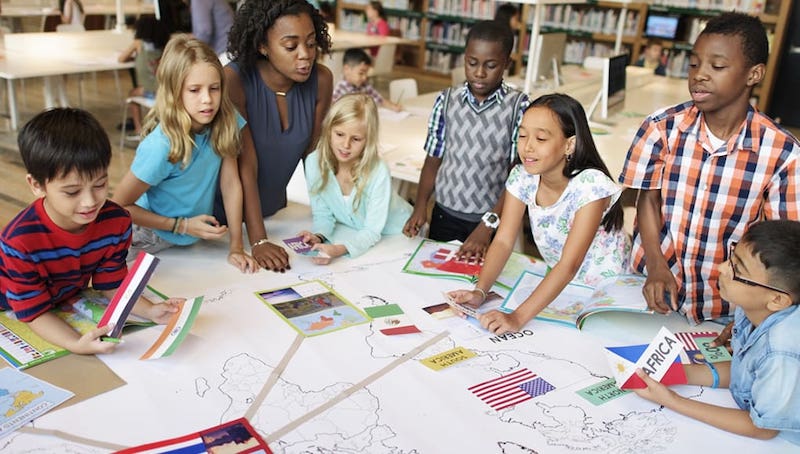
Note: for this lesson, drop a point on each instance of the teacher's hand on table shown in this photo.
(661, 290)
(271, 257)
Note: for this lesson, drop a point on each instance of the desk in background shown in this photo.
(29, 55)
(402, 137)
(356, 390)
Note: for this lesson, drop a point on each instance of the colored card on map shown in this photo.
(24, 398)
(390, 320)
(237, 436)
(312, 308)
(602, 392)
(449, 358)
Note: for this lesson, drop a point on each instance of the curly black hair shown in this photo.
(750, 31)
(255, 17)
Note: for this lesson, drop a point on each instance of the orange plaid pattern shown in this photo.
(710, 197)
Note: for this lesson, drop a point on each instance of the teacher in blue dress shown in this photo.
(277, 85)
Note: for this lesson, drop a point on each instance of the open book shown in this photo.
(21, 347)
(577, 302)
(438, 259)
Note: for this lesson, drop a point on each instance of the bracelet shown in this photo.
(483, 293)
(714, 375)
(259, 243)
(322, 238)
(175, 225)
(185, 228)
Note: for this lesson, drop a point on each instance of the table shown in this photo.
(29, 55)
(356, 390)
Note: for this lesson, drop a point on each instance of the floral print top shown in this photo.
(608, 254)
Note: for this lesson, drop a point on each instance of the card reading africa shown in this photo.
(312, 308)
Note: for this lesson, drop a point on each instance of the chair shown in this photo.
(140, 100)
(384, 61)
(400, 89)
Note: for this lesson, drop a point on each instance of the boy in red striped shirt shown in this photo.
(71, 235)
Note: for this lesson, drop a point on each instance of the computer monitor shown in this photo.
(611, 97)
(549, 56)
(662, 26)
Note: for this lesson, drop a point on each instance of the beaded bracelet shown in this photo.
(175, 225)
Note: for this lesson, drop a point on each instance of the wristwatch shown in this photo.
(491, 220)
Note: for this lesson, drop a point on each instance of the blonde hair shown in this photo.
(180, 55)
(352, 107)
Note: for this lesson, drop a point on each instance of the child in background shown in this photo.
(148, 44)
(574, 210)
(71, 235)
(72, 16)
(348, 183)
(356, 64)
(652, 59)
(762, 278)
(376, 22)
(508, 14)
(191, 146)
(706, 170)
(471, 135)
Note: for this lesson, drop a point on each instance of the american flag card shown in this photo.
(506, 391)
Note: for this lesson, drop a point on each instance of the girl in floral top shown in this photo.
(574, 210)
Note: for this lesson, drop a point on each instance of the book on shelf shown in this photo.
(438, 259)
(577, 302)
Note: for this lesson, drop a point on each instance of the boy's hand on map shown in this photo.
(90, 342)
(500, 323)
(161, 313)
(476, 244)
(655, 391)
(724, 338)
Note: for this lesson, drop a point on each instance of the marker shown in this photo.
(113, 340)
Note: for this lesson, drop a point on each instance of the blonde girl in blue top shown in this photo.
(191, 146)
(574, 210)
(348, 183)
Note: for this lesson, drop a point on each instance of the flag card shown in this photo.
(698, 349)
(298, 245)
(176, 330)
(504, 391)
(390, 320)
(128, 293)
(660, 360)
(236, 436)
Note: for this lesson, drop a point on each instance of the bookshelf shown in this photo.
(774, 14)
(439, 29)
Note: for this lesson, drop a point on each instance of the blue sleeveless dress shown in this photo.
(277, 151)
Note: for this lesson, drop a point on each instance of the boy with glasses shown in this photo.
(762, 279)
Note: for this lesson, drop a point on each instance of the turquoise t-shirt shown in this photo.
(175, 190)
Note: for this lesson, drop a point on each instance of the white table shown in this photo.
(390, 402)
(29, 55)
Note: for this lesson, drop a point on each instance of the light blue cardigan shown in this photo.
(381, 210)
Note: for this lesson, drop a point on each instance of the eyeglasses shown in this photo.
(748, 281)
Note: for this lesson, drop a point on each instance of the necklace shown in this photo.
(280, 93)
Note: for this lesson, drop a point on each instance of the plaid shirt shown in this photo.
(710, 197)
(345, 88)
